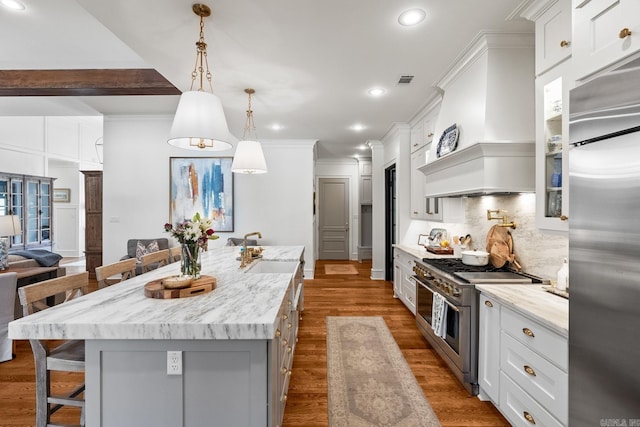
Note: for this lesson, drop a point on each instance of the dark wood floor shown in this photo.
(351, 295)
(326, 295)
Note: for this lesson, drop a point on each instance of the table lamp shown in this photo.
(9, 226)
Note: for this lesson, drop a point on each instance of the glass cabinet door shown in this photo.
(17, 207)
(33, 208)
(45, 211)
(552, 97)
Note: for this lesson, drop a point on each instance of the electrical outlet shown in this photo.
(174, 363)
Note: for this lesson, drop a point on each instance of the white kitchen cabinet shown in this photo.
(417, 136)
(553, 36)
(552, 147)
(404, 285)
(604, 32)
(489, 349)
(523, 366)
(366, 200)
(418, 200)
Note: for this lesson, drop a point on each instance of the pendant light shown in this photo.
(199, 123)
(249, 158)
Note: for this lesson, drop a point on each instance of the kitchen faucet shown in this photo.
(247, 256)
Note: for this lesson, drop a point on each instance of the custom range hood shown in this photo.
(488, 94)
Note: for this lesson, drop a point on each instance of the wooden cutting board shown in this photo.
(203, 285)
(438, 250)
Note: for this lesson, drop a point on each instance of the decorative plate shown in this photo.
(448, 140)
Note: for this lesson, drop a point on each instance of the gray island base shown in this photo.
(236, 344)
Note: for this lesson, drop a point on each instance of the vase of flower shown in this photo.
(191, 264)
(194, 235)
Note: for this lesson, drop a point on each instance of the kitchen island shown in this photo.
(236, 343)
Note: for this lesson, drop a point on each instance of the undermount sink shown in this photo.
(262, 266)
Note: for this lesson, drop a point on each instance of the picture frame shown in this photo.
(423, 239)
(62, 195)
(202, 185)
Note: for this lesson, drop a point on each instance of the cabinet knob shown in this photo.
(564, 43)
(529, 370)
(415, 145)
(429, 213)
(528, 332)
(624, 33)
(430, 135)
(528, 417)
(415, 212)
(488, 304)
(278, 333)
(563, 218)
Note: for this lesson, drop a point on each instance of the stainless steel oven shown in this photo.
(456, 283)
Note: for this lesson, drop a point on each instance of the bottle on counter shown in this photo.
(563, 276)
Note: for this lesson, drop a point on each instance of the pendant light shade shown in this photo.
(249, 158)
(200, 123)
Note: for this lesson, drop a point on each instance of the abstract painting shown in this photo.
(204, 185)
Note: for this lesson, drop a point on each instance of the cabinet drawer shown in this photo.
(545, 382)
(520, 408)
(535, 336)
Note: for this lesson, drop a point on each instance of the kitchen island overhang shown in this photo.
(237, 344)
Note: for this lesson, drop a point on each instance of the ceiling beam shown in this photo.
(91, 82)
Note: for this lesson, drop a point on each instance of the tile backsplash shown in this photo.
(538, 253)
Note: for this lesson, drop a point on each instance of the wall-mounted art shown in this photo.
(62, 195)
(204, 185)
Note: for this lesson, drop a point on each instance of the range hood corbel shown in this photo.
(482, 168)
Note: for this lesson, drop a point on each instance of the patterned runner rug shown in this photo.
(340, 269)
(370, 382)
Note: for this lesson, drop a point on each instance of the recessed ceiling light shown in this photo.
(358, 127)
(276, 126)
(411, 17)
(12, 4)
(376, 91)
(362, 147)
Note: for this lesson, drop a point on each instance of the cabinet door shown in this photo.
(418, 201)
(38, 212)
(433, 210)
(552, 149)
(397, 276)
(489, 349)
(417, 136)
(366, 195)
(604, 32)
(553, 36)
(409, 289)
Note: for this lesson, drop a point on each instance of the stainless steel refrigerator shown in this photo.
(604, 250)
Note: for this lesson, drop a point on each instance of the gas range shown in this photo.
(456, 280)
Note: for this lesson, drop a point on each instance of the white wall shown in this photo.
(348, 169)
(136, 188)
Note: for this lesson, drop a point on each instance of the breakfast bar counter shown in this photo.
(235, 344)
(243, 305)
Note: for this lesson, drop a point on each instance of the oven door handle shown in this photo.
(453, 307)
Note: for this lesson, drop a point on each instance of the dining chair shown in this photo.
(117, 272)
(8, 283)
(154, 260)
(175, 254)
(65, 356)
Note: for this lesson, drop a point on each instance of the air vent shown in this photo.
(405, 80)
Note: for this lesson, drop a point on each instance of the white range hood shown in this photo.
(489, 94)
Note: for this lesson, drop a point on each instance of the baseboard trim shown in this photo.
(377, 274)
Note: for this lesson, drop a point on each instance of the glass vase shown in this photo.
(191, 260)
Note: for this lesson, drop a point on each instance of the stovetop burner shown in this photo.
(455, 265)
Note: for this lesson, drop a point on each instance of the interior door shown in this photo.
(333, 204)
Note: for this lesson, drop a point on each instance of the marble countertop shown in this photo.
(243, 306)
(420, 252)
(533, 301)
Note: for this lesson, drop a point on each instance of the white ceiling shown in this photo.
(310, 61)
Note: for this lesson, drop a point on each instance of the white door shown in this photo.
(333, 204)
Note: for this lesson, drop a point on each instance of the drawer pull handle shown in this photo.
(289, 325)
(285, 317)
(488, 304)
(624, 33)
(529, 370)
(564, 43)
(284, 342)
(278, 333)
(528, 332)
(284, 398)
(529, 417)
(289, 349)
(563, 218)
(430, 134)
(284, 371)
